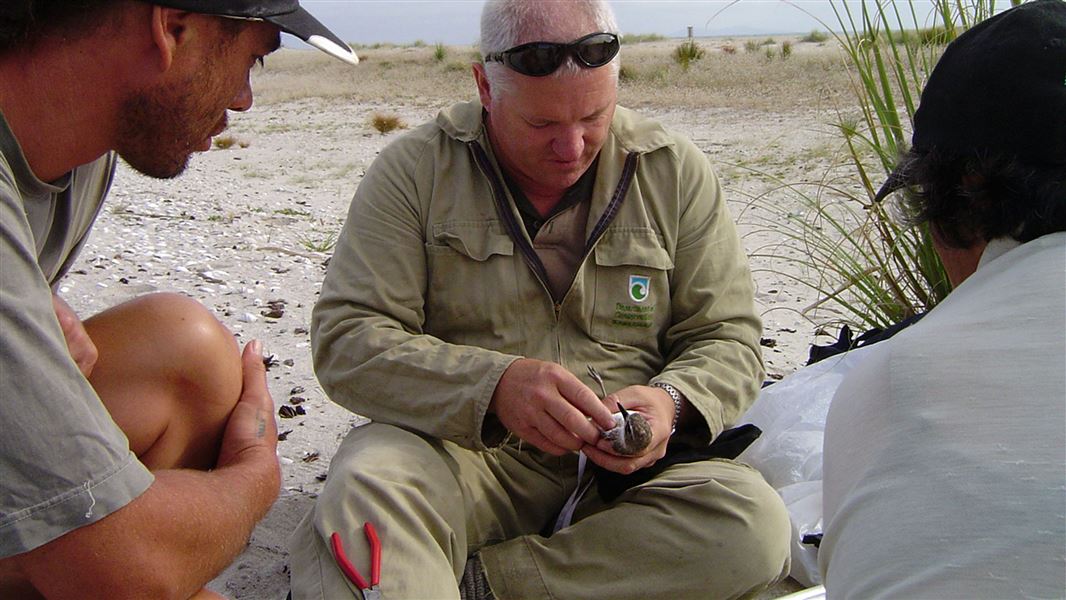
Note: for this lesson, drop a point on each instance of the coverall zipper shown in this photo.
(515, 229)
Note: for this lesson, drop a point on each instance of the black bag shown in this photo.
(729, 444)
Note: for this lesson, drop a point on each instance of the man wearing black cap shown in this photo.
(137, 449)
(944, 450)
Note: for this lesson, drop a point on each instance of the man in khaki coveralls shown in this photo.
(488, 258)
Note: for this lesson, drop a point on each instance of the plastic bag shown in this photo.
(791, 414)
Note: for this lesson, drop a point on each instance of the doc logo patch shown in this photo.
(639, 288)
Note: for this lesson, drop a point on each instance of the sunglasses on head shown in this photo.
(538, 59)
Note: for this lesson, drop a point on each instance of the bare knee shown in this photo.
(176, 340)
(170, 374)
(188, 325)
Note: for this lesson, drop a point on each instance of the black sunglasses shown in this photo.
(538, 59)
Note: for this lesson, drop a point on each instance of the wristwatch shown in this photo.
(676, 397)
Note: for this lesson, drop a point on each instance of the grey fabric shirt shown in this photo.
(64, 463)
(944, 447)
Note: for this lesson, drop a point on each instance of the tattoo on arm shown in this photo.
(261, 429)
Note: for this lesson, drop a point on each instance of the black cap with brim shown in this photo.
(288, 15)
(897, 180)
(1000, 88)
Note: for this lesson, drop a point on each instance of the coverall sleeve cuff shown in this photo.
(492, 432)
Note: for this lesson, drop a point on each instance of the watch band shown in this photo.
(676, 397)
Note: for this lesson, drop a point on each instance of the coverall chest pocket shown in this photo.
(632, 292)
(471, 282)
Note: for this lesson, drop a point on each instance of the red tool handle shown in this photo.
(346, 565)
(375, 553)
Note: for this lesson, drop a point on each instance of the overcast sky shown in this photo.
(455, 22)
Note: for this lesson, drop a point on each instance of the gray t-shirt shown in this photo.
(64, 463)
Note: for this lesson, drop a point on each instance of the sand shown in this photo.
(245, 230)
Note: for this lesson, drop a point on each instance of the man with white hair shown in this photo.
(495, 264)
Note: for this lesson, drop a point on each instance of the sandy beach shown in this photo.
(247, 229)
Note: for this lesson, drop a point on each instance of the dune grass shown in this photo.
(867, 268)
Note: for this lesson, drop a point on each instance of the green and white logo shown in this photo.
(639, 288)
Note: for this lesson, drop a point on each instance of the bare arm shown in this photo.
(184, 529)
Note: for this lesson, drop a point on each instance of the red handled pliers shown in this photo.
(371, 591)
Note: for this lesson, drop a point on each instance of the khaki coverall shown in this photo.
(434, 289)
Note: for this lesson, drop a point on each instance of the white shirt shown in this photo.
(945, 450)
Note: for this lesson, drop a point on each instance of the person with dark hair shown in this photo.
(945, 448)
(137, 447)
(518, 281)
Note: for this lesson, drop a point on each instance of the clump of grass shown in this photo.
(770, 52)
(768, 42)
(815, 37)
(292, 212)
(319, 242)
(225, 142)
(439, 52)
(786, 49)
(627, 73)
(687, 53)
(751, 46)
(386, 123)
(935, 36)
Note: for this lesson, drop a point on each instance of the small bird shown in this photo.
(631, 433)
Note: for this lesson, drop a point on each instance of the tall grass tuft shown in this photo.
(867, 268)
(688, 52)
(439, 52)
(385, 123)
(815, 36)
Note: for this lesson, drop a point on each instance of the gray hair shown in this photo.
(508, 23)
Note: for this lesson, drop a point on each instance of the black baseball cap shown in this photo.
(999, 87)
(288, 15)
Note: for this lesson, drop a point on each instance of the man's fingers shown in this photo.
(613, 462)
(255, 385)
(572, 422)
(255, 393)
(537, 439)
(559, 435)
(251, 428)
(585, 400)
(79, 344)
